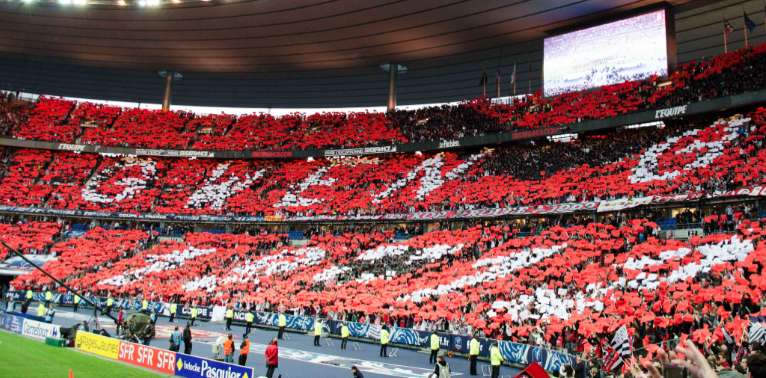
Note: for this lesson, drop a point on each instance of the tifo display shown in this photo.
(628, 166)
(561, 241)
(567, 283)
(53, 119)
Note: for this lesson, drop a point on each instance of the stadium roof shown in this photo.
(280, 53)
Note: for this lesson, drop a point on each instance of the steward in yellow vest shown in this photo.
(434, 340)
(384, 336)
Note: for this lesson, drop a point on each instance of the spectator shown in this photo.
(272, 358)
(187, 338)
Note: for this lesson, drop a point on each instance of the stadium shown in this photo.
(383, 188)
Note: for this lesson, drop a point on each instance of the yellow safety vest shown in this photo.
(109, 302)
(249, 317)
(317, 328)
(474, 347)
(41, 310)
(76, 299)
(229, 313)
(344, 332)
(144, 304)
(384, 337)
(434, 341)
(29, 294)
(173, 308)
(282, 320)
(48, 295)
(194, 312)
(495, 358)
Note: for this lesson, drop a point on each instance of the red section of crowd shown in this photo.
(689, 161)
(32, 237)
(90, 252)
(567, 283)
(60, 120)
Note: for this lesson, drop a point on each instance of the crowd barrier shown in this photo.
(514, 353)
(157, 359)
(29, 327)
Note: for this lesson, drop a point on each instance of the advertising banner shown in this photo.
(196, 367)
(97, 344)
(161, 360)
(40, 330)
(12, 323)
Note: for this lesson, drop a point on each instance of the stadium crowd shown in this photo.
(54, 119)
(686, 160)
(569, 286)
(565, 282)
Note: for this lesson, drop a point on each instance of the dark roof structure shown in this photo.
(308, 53)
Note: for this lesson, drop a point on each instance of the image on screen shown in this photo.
(628, 49)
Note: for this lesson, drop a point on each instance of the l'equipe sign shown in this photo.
(670, 112)
(160, 360)
(40, 330)
(196, 367)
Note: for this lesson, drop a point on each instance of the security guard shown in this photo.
(249, 317)
(229, 317)
(29, 296)
(344, 334)
(317, 331)
(244, 349)
(173, 309)
(384, 336)
(282, 324)
(48, 297)
(109, 304)
(474, 348)
(194, 313)
(495, 359)
(434, 348)
(41, 309)
(144, 306)
(76, 302)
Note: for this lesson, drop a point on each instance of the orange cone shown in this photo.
(71, 374)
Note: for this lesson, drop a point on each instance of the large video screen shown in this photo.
(628, 49)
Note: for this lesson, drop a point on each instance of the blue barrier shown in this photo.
(196, 367)
(514, 353)
(13, 323)
(30, 317)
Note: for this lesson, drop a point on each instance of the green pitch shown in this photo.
(23, 357)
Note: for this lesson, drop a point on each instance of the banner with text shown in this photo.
(197, 367)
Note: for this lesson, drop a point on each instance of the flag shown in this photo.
(497, 83)
(617, 351)
(534, 370)
(757, 332)
(513, 74)
(483, 80)
(513, 79)
(726, 337)
(727, 29)
(749, 24)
